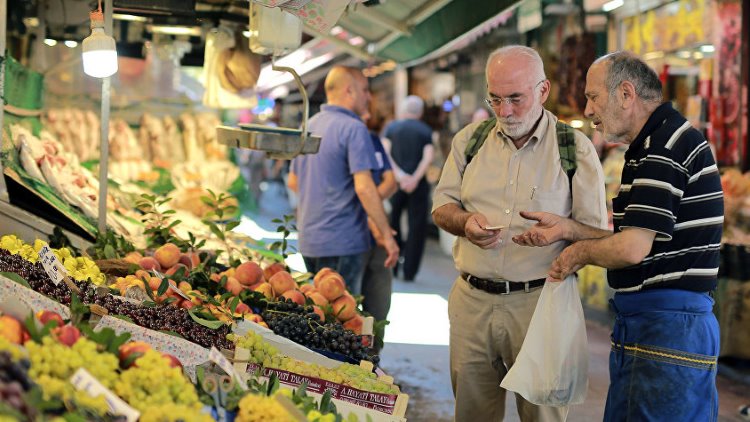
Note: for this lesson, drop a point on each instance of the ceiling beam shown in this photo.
(374, 16)
(353, 50)
(419, 15)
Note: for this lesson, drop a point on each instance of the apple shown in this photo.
(67, 335)
(126, 351)
(45, 316)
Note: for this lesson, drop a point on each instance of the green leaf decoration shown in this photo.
(204, 322)
(163, 287)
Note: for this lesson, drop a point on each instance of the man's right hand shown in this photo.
(475, 232)
(548, 229)
(391, 248)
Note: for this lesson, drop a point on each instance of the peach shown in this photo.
(126, 350)
(254, 318)
(133, 257)
(142, 274)
(355, 324)
(233, 286)
(318, 299)
(190, 260)
(167, 255)
(319, 276)
(11, 329)
(344, 307)
(46, 316)
(296, 296)
(319, 312)
(149, 263)
(273, 269)
(173, 361)
(154, 283)
(266, 289)
(215, 277)
(307, 289)
(172, 270)
(249, 273)
(242, 309)
(332, 286)
(281, 282)
(254, 286)
(187, 304)
(185, 287)
(229, 273)
(67, 335)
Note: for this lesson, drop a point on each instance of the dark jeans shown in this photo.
(415, 204)
(351, 267)
(377, 284)
(662, 366)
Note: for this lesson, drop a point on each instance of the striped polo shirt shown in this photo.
(670, 185)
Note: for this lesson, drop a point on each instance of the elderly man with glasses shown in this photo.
(517, 167)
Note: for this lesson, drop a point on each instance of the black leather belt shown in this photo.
(502, 287)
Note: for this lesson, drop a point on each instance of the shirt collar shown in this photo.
(655, 121)
(538, 133)
(339, 109)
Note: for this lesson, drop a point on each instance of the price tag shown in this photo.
(83, 380)
(54, 268)
(216, 357)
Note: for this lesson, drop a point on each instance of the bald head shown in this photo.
(347, 87)
(522, 58)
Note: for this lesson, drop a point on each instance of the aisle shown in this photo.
(422, 369)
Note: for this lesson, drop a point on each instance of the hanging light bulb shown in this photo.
(99, 52)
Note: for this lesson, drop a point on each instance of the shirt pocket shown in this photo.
(555, 202)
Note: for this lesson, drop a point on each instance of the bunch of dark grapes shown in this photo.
(14, 382)
(161, 318)
(303, 326)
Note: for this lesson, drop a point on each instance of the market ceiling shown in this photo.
(373, 30)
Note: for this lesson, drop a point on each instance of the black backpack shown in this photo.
(566, 144)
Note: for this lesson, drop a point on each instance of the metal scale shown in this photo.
(276, 142)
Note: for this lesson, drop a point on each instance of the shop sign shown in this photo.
(667, 28)
(529, 15)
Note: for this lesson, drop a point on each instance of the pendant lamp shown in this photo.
(99, 52)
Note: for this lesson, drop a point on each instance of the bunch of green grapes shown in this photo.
(316, 416)
(53, 363)
(260, 350)
(16, 246)
(152, 382)
(254, 408)
(173, 413)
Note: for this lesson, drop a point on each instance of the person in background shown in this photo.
(517, 167)
(663, 257)
(410, 141)
(378, 280)
(335, 186)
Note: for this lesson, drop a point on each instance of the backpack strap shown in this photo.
(477, 138)
(566, 144)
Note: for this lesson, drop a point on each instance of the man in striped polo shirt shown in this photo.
(663, 256)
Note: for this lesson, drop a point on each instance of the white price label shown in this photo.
(216, 357)
(54, 268)
(83, 380)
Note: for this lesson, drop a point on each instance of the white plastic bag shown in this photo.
(552, 367)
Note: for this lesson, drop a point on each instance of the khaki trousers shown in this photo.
(486, 334)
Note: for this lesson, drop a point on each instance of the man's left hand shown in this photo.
(568, 262)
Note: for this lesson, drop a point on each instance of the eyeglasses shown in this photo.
(513, 100)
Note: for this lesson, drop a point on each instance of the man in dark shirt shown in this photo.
(412, 152)
(663, 257)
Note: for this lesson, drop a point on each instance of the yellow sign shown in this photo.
(669, 27)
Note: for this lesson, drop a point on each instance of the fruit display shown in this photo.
(256, 408)
(14, 384)
(264, 354)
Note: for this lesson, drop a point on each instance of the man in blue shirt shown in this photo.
(336, 192)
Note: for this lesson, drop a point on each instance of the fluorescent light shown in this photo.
(612, 5)
(71, 44)
(653, 55)
(683, 54)
(708, 48)
(50, 42)
(131, 18)
(175, 30)
(576, 123)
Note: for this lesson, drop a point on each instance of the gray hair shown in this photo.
(626, 66)
(508, 50)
